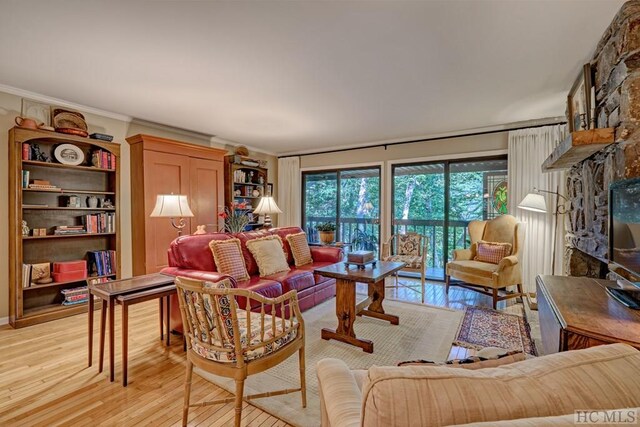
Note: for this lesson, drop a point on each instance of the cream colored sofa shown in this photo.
(535, 392)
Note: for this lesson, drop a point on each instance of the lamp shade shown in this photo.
(267, 206)
(172, 206)
(533, 202)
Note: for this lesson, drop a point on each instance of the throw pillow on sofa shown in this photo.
(492, 252)
(269, 255)
(227, 255)
(300, 248)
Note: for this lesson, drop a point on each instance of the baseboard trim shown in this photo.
(4, 321)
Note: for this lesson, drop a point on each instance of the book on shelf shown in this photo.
(103, 159)
(103, 222)
(74, 296)
(25, 179)
(26, 151)
(35, 205)
(102, 263)
(62, 230)
(26, 275)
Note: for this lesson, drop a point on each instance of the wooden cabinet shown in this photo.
(164, 166)
(577, 312)
(245, 184)
(49, 209)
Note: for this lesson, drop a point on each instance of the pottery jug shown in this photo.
(92, 201)
(25, 122)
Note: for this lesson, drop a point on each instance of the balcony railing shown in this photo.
(433, 229)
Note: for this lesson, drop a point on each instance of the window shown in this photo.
(349, 198)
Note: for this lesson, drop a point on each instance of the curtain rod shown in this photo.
(413, 141)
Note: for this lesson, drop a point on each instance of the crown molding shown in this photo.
(62, 103)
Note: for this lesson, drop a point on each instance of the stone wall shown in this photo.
(617, 81)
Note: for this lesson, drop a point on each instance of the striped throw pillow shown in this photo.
(227, 255)
(300, 248)
(492, 252)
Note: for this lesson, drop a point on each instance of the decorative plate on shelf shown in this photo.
(69, 154)
(249, 163)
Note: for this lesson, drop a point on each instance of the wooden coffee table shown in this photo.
(346, 307)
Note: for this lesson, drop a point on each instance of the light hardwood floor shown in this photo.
(45, 381)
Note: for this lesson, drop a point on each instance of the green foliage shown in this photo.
(363, 241)
(326, 226)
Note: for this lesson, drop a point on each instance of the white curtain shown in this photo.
(528, 149)
(289, 200)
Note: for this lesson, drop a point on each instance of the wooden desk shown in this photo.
(109, 292)
(576, 312)
(346, 307)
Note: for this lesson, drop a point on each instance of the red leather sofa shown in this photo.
(190, 256)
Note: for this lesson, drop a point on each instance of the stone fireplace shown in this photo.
(617, 82)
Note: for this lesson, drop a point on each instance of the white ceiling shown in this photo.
(285, 76)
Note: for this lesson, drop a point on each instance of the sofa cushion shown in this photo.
(299, 248)
(294, 279)
(269, 255)
(227, 255)
(483, 269)
(249, 260)
(601, 377)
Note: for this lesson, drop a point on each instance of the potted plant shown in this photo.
(327, 232)
(236, 219)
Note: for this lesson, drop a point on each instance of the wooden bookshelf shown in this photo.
(255, 179)
(40, 303)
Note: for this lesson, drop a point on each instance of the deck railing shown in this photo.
(433, 229)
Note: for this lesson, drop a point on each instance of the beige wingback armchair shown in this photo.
(484, 277)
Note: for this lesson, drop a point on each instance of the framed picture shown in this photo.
(579, 101)
(269, 189)
(36, 110)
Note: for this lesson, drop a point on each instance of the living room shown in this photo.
(394, 211)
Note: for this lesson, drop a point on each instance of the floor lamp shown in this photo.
(172, 206)
(535, 202)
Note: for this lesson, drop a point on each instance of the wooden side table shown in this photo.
(577, 312)
(109, 292)
(346, 307)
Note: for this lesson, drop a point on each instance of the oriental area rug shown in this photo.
(484, 327)
(424, 332)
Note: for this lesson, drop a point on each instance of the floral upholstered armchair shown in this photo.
(493, 262)
(410, 248)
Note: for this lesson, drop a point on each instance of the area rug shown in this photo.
(424, 332)
(484, 327)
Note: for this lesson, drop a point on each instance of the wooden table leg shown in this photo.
(103, 323)
(125, 342)
(346, 314)
(160, 316)
(375, 309)
(112, 332)
(90, 319)
(168, 322)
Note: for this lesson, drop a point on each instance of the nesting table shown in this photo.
(346, 307)
(127, 292)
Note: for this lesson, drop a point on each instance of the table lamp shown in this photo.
(172, 206)
(266, 207)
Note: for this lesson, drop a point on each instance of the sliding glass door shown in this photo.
(438, 199)
(349, 198)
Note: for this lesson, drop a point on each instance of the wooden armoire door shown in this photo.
(163, 174)
(206, 194)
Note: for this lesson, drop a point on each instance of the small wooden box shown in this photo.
(360, 257)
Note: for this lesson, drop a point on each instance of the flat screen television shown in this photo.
(624, 236)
